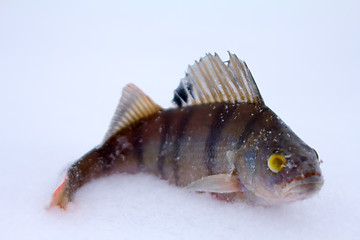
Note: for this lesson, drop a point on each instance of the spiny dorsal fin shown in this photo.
(134, 105)
(212, 81)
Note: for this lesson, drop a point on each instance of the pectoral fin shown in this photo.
(220, 183)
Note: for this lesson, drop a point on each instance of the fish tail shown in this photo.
(116, 155)
(90, 166)
(59, 198)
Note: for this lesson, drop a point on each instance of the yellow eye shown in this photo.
(276, 162)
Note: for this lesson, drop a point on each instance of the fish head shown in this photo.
(276, 166)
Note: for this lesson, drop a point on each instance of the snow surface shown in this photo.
(63, 65)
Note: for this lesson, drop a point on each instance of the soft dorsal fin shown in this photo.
(211, 81)
(134, 105)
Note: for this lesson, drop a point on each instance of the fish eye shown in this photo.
(276, 162)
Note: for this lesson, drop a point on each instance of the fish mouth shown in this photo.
(303, 187)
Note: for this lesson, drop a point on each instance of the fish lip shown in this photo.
(303, 187)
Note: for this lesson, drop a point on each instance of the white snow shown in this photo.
(63, 65)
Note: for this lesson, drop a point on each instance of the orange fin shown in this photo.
(59, 198)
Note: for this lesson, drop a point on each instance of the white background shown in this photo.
(63, 65)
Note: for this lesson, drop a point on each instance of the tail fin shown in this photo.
(59, 197)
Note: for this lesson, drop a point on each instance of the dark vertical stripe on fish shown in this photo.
(223, 113)
(249, 127)
(179, 135)
(139, 146)
(164, 132)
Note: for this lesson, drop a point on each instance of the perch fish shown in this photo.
(220, 137)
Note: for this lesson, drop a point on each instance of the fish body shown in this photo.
(220, 138)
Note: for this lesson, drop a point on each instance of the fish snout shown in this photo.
(303, 187)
